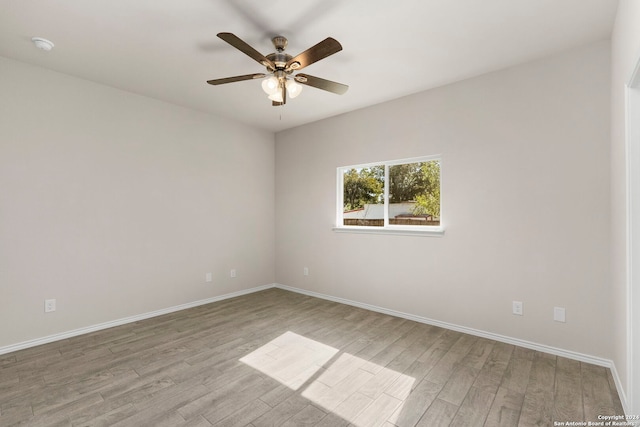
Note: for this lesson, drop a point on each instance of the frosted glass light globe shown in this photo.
(270, 85)
(293, 88)
(276, 96)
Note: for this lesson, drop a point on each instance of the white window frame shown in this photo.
(424, 230)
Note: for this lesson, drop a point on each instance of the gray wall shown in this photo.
(117, 205)
(525, 201)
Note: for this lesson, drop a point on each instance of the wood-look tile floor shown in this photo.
(277, 358)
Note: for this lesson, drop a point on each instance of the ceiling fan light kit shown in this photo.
(280, 65)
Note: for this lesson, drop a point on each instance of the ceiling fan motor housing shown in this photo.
(280, 59)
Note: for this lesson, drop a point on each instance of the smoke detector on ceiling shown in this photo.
(43, 44)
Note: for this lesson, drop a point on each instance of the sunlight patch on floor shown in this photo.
(359, 391)
(290, 358)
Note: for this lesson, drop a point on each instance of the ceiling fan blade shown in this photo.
(236, 79)
(242, 46)
(326, 47)
(323, 84)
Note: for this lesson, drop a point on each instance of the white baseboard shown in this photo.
(621, 393)
(489, 335)
(496, 337)
(125, 320)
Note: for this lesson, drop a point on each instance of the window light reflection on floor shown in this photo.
(359, 391)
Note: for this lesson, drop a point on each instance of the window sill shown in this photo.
(432, 232)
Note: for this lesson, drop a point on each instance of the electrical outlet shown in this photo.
(233, 273)
(559, 314)
(49, 305)
(208, 277)
(517, 308)
(305, 271)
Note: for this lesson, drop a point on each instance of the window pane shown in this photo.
(414, 194)
(363, 202)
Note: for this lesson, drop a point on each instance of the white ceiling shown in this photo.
(167, 49)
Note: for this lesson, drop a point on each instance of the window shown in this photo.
(399, 195)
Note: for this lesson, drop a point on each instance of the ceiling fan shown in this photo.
(280, 66)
